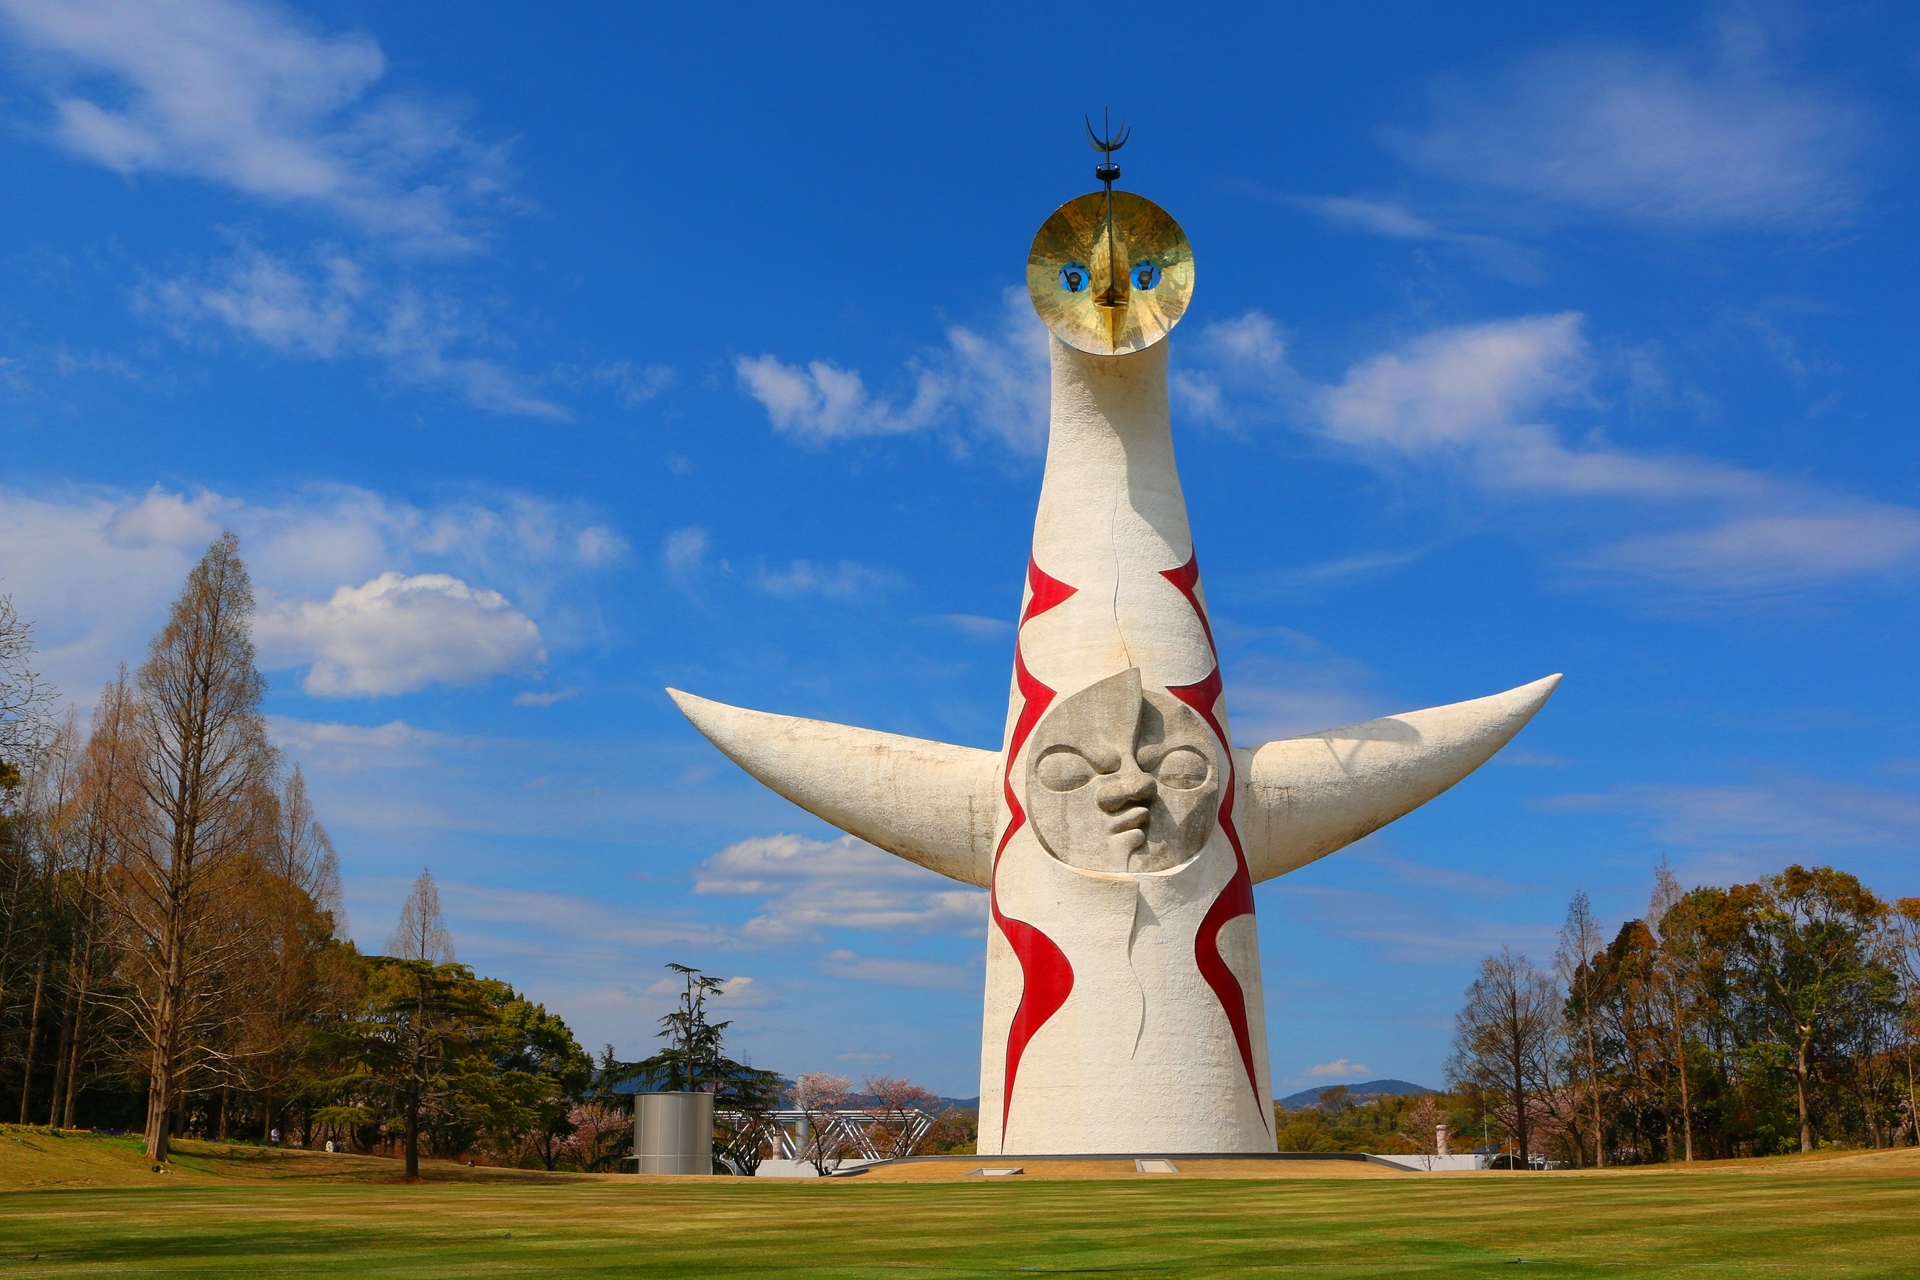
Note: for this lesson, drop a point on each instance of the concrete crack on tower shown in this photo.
(1113, 550)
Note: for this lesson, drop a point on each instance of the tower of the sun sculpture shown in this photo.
(1118, 832)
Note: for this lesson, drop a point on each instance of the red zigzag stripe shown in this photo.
(1236, 898)
(1045, 973)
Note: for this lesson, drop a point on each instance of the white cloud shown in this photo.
(811, 886)
(96, 568)
(1341, 1067)
(251, 96)
(843, 581)
(823, 402)
(335, 309)
(1715, 140)
(996, 382)
(395, 634)
(1468, 393)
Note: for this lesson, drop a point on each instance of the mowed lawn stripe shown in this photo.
(1625, 1224)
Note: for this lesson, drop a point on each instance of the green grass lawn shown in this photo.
(1794, 1220)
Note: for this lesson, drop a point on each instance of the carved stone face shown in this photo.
(1121, 780)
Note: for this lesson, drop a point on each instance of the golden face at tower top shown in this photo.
(1110, 295)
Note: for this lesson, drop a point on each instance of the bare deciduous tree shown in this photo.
(421, 939)
(422, 932)
(1506, 1039)
(1581, 942)
(26, 701)
(1672, 921)
(202, 750)
(105, 787)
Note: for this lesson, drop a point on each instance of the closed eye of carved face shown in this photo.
(1063, 769)
(1184, 769)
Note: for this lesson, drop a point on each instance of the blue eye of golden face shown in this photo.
(1145, 275)
(1074, 277)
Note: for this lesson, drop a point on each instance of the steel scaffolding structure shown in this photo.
(847, 1135)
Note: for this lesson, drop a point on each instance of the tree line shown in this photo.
(172, 946)
(1755, 1019)
(174, 958)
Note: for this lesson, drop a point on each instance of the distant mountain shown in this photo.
(1361, 1092)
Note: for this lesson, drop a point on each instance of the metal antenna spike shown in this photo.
(1107, 140)
(1106, 143)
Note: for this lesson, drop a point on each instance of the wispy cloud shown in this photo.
(634, 384)
(1282, 682)
(844, 580)
(349, 748)
(812, 886)
(684, 553)
(1718, 137)
(1484, 402)
(1783, 812)
(821, 401)
(252, 96)
(1407, 929)
(1396, 221)
(971, 625)
(1522, 758)
(544, 697)
(1338, 1069)
(1420, 875)
(1771, 553)
(896, 972)
(980, 385)
(336, 307)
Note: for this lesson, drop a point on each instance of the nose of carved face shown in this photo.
(1122, 779)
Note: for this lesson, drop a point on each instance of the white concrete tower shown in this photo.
(1118, 832)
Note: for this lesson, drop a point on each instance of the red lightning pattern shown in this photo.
(1046, 976)
(1236, 899)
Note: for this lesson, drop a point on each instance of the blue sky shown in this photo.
(546, 357)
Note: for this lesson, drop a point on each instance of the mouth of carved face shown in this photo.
(1122, 780)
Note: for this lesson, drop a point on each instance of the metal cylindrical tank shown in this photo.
(673, 1132)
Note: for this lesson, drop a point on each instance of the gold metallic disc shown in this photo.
(1110, 298)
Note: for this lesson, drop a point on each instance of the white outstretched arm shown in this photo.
(928, 802)
(1306, 797)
